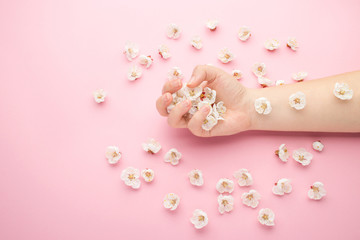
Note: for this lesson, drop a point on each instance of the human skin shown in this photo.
(323, 111)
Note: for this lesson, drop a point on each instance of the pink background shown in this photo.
(54, 180)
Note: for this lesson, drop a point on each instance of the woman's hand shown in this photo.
(228, 89)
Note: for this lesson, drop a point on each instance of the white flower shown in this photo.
(220, 108)
(302, 156)
(152, 146)
(196, 177)
(318, 146)
(283, 153)
(264, 82)
(259, 69)
(297, 100)
(243, 177)
(199, 219)
(99, 95)
(317, 191)
(212, 24)
(208, 95)
(209, 122)
(113, 154)
(164, 52)
(282, 186)
(196, 42)
(172, 156)
(237, 74)
(262, 106)
(226, 203)
(244, 33)
(175, 73)
(134, 73)
(173, 31)
(299, 76)
(343, 91)
(225, 55)
(145, 60)
(292, 43)
(225, 185)
(280, 82)
(192, 93)
(171, 201)
(130, 176)
(251, 198)
(131, 50)
(266, 217)
(272, 44)
(148, 174)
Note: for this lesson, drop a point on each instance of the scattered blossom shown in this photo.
(131, 50)
(113, 154)
(297, 100)
(130, 176)
(272, 44)
(196, 177)
(164, 52)
(173, 31)
(237, 74)
(243, 177)
(318, 146)
(282, 186)
(317, 191)
(302, 156)
(171, 201)
(299, 76)
(266, 217)
(262, 106)
(280, 82)
(175, 73)
(292, 43)
(172, 156)
(225, 185)
(134, 73)
(225, 55)
(283, 153)
(244, 33)
(196, 42)
(259, 69)
(251, 198)
(99, 95)
(264, 82)
(199, 219)
(343, 91)
(226, 203)
(148, 174)
(145, 60)
(212, 24)
(152, 146)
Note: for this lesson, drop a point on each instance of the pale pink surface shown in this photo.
(54, 180)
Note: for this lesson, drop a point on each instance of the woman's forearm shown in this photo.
(323, 111)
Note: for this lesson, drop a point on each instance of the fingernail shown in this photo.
(166, 97)
(205, 109)
(176, 83)
(191, 80)
(186, 103)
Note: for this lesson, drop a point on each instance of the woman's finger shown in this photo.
(162, 103)
(195, 123)
(175, 118)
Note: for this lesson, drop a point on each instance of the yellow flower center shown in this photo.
(260, 69)
(176, 73)
(301, 158)
(244, 176)
(173, 202)
(131, 176)
(201, 218)
(114, 154)
(265, 217)
(148, 174)
(224, 202)
(225, 184)
(173, 155)
(297, 100)
(341, 92)
(250, 196)
(227, 56)
(196, 176)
